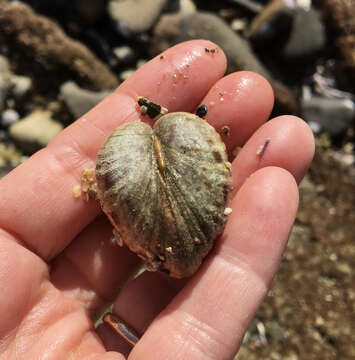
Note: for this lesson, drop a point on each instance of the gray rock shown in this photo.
(307, 35)
(35, 131)
(78, 100)
(9, 117)
(297, 27)
(137, 15)
(173, 29)
(176, 28)
(267, 23)
(332, 115)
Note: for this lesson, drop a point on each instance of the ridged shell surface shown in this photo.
(165, 189)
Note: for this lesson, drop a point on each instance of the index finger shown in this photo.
(36, 202)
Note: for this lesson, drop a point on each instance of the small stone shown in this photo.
(169, 249)
(88, 184)
(333, 115)
(136, 15)
(239, 25)
(186, 7)
(76, 191)
(9, 117)
(21, 85)
(307, 35)
(78, 100)
(124, 54)
(35, 130)
(227, 211)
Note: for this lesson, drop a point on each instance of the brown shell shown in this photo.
(165, 189)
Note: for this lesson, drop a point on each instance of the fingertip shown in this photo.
(179, 77)
(295, 142)
(240, 102)
(287, 142)
(297, 125)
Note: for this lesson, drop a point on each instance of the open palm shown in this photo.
(57, 264)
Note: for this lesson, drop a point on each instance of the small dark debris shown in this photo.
(201, 111)
(149, 108)
(262, 148)
(226, 130)
(212, 51)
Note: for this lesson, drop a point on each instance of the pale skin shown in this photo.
(57, 264)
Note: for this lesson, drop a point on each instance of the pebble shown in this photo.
(184, 7)
(136, 15)
(331, 115)
(294, 27)
(239, 25)
(78, 100)
(35, 131)
(124, 53)
(9, 117)
(227, 211)
(307, 36)
(21, 85)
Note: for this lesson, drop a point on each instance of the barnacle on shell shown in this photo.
(165, 189)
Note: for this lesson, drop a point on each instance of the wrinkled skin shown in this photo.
(57, 264)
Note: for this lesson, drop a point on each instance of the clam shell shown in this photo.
(165, 189)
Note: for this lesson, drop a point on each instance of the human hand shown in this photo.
(57, 264)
